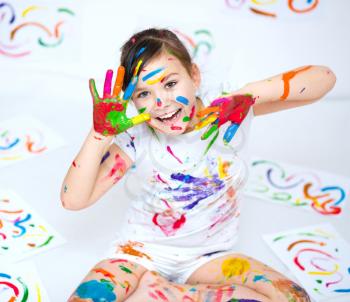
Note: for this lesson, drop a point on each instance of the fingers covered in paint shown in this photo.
(109, 112)
(225, 109)
(119, 81)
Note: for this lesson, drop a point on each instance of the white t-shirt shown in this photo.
(179, 196)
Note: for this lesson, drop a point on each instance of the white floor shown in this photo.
(316, 136)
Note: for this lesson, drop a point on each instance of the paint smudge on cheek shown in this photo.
(188, 118)
(142, 110)
(302, 90)
(65, 189)
(182, 100)
(96, 291)
(235, 267)
(159, 102)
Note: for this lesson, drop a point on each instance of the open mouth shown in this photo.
(170, 118)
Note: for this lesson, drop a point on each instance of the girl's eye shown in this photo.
(142, 94)
(170, 84)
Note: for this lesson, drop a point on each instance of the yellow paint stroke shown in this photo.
(326, 273)
(38, 293)
(29, 9)
(137, 67)
(222, 167)
(11, 157)
(206, 172)
(263, 3)
(151, 82)
(235, 267)
(43, 228)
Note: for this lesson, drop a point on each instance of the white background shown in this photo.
(55, 90)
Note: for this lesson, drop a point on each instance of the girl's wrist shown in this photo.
(99, 137)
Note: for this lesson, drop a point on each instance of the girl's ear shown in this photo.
(196, 75)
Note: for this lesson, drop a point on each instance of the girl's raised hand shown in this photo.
(109, 112)
(232, 108)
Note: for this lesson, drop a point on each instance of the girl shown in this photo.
(184, 182)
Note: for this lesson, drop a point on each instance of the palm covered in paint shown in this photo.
(233, 109)
(109, 112)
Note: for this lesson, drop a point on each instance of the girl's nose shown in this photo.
(162, 101)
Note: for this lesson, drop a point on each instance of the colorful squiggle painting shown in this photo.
(26, 28)
(315, 190)
(24, 137)
(20, 282)
(273, 8)
(22, 231)
(318, 256)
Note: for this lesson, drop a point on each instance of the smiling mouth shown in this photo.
(170, 119)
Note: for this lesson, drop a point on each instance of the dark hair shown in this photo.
(146, 45)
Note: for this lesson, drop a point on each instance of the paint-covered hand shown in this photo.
(109, 112)
(232, 108)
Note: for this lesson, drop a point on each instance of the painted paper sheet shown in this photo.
(23, 137)
(38, 30)
(20, 282)
(322, 192)
(318, 256)
(23, 232)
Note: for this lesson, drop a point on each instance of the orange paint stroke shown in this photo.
(286, 77)
(304, 241)
(260, 12)
(293, 9)
(106, 274)
(129, 249)
(57, 26)
(35, 24)
(29, 145)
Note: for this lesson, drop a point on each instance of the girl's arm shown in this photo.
(297, 87)
(96, 168)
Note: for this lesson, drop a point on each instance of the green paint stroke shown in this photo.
(142, 110)
(186, 119)
(66, 10)
(25, 290)
(125, 269)
(46, 242)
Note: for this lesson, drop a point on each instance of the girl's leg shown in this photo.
(246, 271)
(110, 280)
(153, 287)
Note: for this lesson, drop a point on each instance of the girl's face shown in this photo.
(166, 91)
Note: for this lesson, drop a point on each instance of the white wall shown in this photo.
(252, 47)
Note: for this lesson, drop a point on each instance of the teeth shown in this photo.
(168, 115)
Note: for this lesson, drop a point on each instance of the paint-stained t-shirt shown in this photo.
(179, 195)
